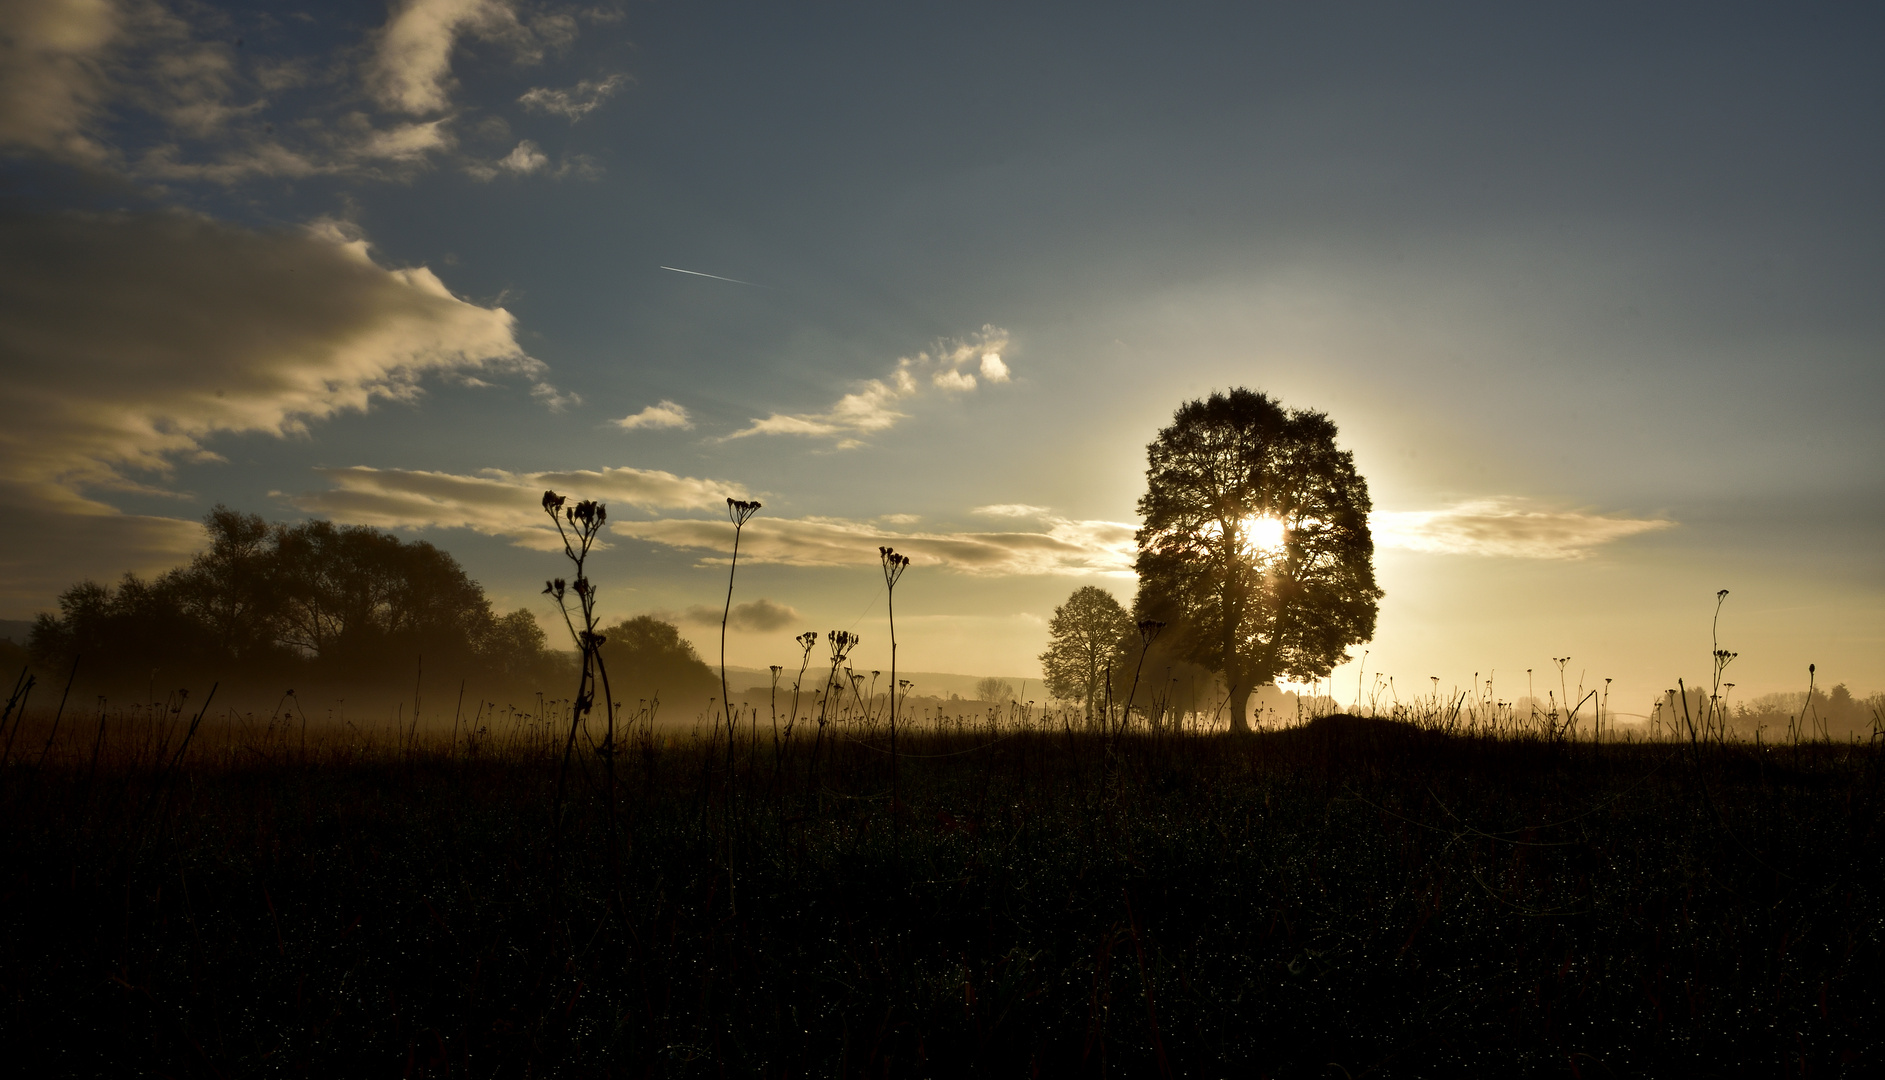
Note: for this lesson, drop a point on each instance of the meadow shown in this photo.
(194, 895)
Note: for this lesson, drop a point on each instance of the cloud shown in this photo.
(497, 502)
(525, 159)
(411, 142)
(412, 61)
(1013, 510)
(576, 102)
(553, 399)
(52, 538)
(1505, 528)
(873, 407)
(133, 87)
(665, 414)
(69, 67)
(1067, 547)
(128, 341)
(53, 79)
(755, 616)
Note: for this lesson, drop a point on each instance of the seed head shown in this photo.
(842, 642)
(740, 510)
(894, 565)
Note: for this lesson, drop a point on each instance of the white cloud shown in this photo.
(1012, 510)
(524, 159)
(1067, 547)
(874, 406)
(665, 414)
(405, 142)
(993, 368)
(1505, 528)
(553, 399)
(497, 502)
(577, 101)
(412, 60)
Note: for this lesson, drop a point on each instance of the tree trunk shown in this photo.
(1240, 710)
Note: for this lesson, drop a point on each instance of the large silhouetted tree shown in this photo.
(1255, 544)
(1085, 639)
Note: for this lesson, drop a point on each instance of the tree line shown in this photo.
(317, 602)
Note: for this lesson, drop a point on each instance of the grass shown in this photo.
(1346, 898)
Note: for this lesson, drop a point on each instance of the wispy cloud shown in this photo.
(497, 502)
(1066, 547)
(875, 405)
(664, 414)
(524, 159)
(1507, 528)
(576, 102)
(1010, 510)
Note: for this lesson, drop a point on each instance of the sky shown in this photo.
(1591, 292)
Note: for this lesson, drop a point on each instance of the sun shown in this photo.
(1264, 533)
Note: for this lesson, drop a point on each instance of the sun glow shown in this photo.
(1264, 533)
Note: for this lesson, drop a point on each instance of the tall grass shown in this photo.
(1451, 892)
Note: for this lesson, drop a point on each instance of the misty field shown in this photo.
(1347, 897)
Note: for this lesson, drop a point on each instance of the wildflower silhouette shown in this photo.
(894, 566)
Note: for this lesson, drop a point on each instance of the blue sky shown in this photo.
(1591, 292)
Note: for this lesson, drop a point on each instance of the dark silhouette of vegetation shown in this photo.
(893, 565)
(1378, 895)
(1086, 645)
(651, 660)
(1255, 545)
(578, 526)
(267, 602)
(1458, 891)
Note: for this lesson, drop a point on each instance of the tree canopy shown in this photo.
(647, 657)
(342, 602)
(1255, 545)
(1085, 639)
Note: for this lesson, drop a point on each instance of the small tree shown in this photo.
(1256, 544)
(1086, 639)
(994, 691)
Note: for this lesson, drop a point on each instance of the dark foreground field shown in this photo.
(1349, 899)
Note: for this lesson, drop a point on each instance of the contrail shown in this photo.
(716, 277)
